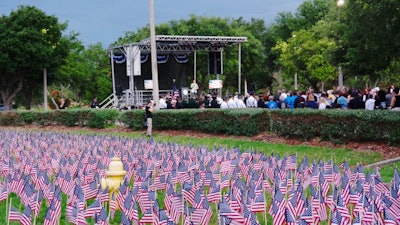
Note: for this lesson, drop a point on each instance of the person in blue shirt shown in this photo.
(290, 100)
(271, 104)
(311, 101)
(342, 100)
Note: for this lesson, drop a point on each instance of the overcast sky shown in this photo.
(105, 20)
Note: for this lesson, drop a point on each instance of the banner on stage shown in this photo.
(148, 84)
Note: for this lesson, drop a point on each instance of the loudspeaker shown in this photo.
(214, 63)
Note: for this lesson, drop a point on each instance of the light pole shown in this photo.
(154, 68)
(340, 3)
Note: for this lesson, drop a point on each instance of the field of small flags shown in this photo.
(54, 178)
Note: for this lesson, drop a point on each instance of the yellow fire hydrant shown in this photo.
(115, 174)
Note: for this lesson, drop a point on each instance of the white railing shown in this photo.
(129, 99)
(108, 102)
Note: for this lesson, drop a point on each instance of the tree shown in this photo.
(307, 54)
(372, 37)
(86, 72)
(307, 15)
(31, 41)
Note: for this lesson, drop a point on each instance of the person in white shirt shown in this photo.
(231, 103)
(240, 103)
(163, 102)
(251, 102)
(224, 103)
(370, 103)
(194, 87)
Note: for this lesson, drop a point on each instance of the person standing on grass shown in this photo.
(149, 117)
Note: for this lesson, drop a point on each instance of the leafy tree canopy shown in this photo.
(31, 41)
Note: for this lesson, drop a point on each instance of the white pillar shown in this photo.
(194, 65)
(113, 80)
(154, 68)
(239, 67)
(340, 77)
(45, 89)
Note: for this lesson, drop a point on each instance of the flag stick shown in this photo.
(9, 210)
(183, 210)
(219, 216)
(362, 207)
(109, 208)
(36, 210)
(319, 199)
(373, 202)
(265, 198)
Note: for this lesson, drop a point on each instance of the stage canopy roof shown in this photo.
(176, 44)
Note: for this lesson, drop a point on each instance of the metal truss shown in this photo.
(167, 44)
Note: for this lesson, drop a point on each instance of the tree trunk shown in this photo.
(6, 104)
(27, 98)
(7, 97)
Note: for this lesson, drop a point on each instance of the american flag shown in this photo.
(90, 190)
(113, 205)
(292, 202)
(226, 211)
(176, 206)
(289, 218)
(357, 220)
(75, 215)
(336, 218)
(215, 193)
(259, 204)
(103, 195)
(388, 218)
(343, 210)
(244, 177)
(101, 217)
(93, 209)
(307, 215)
(324, 185)
(168, 196)
(3, 193)
(26, 216)
(14, 214)
(130, 208)
(125, 219)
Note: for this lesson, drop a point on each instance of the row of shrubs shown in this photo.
(339, 126)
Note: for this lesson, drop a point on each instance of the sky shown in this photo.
(105, 20)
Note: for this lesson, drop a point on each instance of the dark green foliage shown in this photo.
(26, 117)
(45, 118)
(8, 118)
(102, 118)
(68, 118)
(338, 125)
(132, 118)
(246, 122)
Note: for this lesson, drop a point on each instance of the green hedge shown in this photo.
(71, 117)
(236, 122)
(338, 126)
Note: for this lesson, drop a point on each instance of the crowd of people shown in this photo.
(369, 99)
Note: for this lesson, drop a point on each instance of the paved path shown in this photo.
(381, 163)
